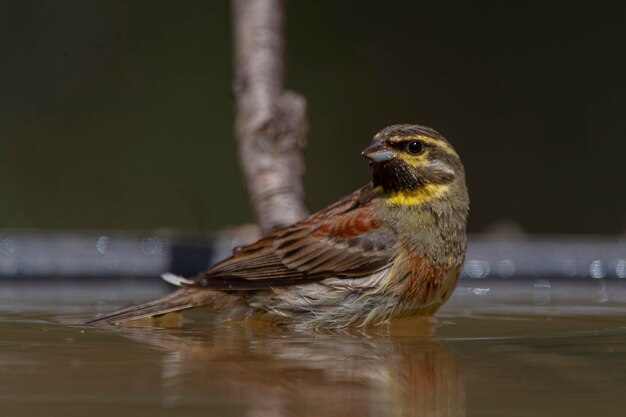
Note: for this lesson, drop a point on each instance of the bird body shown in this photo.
(393, 248)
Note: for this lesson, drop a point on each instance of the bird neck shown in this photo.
(416, 197)
(431, 220)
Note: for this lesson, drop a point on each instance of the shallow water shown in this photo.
(522, 353)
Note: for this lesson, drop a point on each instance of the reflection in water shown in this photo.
(276, 373)
(517, 360)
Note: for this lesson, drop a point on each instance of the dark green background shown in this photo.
(118, 114)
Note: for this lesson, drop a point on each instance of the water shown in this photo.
(512, 355)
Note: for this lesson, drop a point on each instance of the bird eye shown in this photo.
(415, 146)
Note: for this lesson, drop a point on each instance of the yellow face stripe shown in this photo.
(414, 160)
(426, 139)
(416, 197)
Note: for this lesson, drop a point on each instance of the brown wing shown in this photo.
(343, 240)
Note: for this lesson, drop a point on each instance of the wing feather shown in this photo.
(344, 240)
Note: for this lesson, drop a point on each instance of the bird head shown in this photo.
(414, 165)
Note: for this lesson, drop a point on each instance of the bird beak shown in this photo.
(377, 152)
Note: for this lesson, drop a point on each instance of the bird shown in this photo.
(393, 248)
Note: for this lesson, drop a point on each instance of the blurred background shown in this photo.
(118, 114)
(117, 163)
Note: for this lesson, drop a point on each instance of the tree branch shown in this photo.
(270, 123)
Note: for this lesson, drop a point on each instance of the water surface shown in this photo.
(519, 355)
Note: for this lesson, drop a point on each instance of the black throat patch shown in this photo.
(395, 176)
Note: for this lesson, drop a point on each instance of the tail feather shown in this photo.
(176, 279)
(176, 301)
